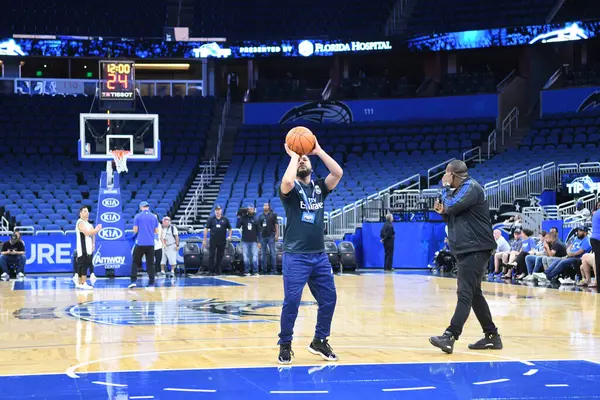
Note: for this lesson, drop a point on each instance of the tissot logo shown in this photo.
(110, 202)
(110, 233)
(110, 217)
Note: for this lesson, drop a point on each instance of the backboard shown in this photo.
(100, 133)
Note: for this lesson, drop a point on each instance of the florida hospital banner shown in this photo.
(53, 253)
(573, 100)
(347, 112)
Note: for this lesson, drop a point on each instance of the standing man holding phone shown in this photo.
(465, 208)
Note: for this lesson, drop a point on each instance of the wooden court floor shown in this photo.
(47, 327)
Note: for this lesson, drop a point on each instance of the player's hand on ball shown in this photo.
(290, 152)
(317, 149)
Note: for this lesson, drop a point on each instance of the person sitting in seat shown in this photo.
(13, 253)
(588, 263)
(572, 262)
(501, 258)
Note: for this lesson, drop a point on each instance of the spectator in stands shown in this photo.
(536, 250)
(595, 241)
(170, 245)
(554, 249)
(250, 244)
(517, 258)
(220, 232)
(502, 258)
(502, 246)
(570, 263)
(501, 243)
(388, 235)
(581, 211)
(269, 233)
(13, 253)
(588, 263)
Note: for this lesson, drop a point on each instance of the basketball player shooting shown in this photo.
(304, 257)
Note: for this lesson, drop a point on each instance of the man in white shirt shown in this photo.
(170, 241)
(501, 242)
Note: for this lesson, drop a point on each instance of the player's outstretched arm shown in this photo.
(287, 182)
(335, 171)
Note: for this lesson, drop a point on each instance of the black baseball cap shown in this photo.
(217, 207)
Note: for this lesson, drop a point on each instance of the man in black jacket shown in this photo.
(388, 235)
(471, 241)
(250, 240)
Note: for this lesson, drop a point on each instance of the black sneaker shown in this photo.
(285, 353)
(491, 341)
(322, 348)
(444, 342)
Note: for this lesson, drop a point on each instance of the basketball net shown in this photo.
(120, 157)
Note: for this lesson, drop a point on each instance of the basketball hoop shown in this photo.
(120, 157)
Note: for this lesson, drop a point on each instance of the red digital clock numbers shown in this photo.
(117, 80)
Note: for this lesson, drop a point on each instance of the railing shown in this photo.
(533, 218)
(434, 171)
(500, 87)
(553, 78)
(492, 143)
(510, 123)
(327, 91)
(345, 220)
(191, 210)
(222, 127)
(567, 210)
(4, 224)
(472, 155)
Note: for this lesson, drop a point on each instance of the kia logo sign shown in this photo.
(110, 233)
(110, 202)
(110, 217)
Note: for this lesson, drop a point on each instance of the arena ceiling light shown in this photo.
(163, 66)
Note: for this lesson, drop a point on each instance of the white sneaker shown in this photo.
(93, 278)
(566, 281)
(4, 276)
(85, 286)
(75, 279)
(540, 276)
(529, 278)
(20, 275)
(132, 285)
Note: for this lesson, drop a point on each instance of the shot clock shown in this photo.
(117, 80)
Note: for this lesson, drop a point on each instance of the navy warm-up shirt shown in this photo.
(299, 236)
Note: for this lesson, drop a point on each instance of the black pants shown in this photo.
(596, 248)
(138, 253)
(471, 268)
(216, 250)
(388, 246)
(157, 258)
(83, 264)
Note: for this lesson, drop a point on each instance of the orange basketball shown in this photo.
(300, 140)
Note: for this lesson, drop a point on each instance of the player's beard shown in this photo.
(303, 173)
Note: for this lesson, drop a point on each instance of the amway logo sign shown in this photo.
(107, 262)
(110, 202)
(110, 217)
(110, 233)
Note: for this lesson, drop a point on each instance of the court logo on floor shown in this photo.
(196, 311)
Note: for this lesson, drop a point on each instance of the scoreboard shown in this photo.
(117, 80)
